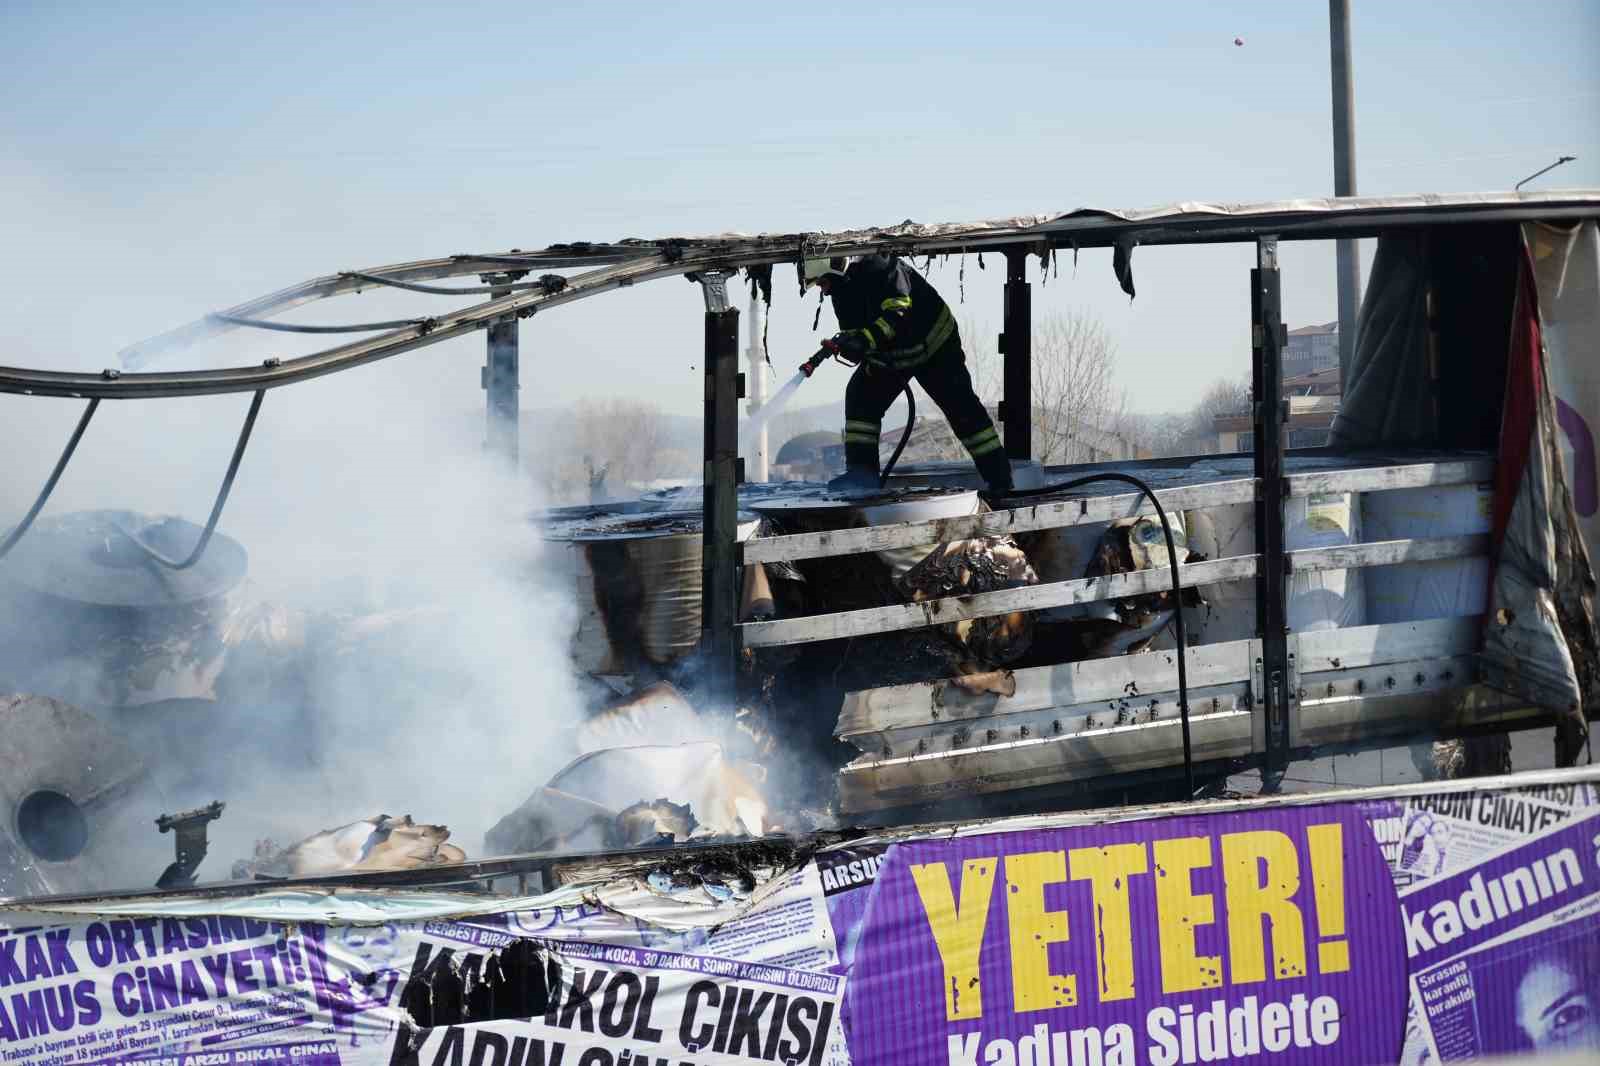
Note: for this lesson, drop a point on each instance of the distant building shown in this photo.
(1324, 382)
(1310, 420)
(1311, 384)
(809, 457)
(1311, 348)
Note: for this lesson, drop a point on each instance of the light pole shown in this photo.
(1348, 266)
(758, 390)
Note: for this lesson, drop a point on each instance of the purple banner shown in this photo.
(1450, 915)
(1241, 937)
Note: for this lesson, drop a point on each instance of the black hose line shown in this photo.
(50, 483)
(216, 508)
(289, 327)
(449, 290)
(1177, 595)
(905, 435)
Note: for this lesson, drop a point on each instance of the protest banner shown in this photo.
(1409, 925)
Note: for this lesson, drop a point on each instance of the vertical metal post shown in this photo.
(1016, 344)
(719, 588)
(1269, 414)
(1348, 264)
(500, 380)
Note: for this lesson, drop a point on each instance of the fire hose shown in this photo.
(831, 349)
(155, 556)
(1177, 592)
(23, 526)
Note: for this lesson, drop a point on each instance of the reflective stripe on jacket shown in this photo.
(901, 317)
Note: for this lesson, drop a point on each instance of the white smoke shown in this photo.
(367, 504)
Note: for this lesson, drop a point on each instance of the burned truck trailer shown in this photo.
(1025, 664)
(1477, 304)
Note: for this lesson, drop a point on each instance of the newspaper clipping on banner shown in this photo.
(1438, 926)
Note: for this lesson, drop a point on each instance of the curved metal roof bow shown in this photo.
(625, 263)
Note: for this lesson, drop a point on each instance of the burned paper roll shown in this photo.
(608, 798)
(371, 844)
(964, 567)
(1134, 623)
(755, 599)
(656, 714)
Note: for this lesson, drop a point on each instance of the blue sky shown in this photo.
(181, 157)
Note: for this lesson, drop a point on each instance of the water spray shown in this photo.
(781, 398)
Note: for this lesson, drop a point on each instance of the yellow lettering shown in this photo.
(1180, 912)
(1325, 851)
(958, 930)
(1262, 872)
(1033, 930)
(1107, 870)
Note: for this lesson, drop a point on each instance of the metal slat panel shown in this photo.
(871, 784)
(1052, 515)
(1391, 642)
(1084, 510)
(1091, 590)
(1120, 677)
(949, 736)
(988, 604)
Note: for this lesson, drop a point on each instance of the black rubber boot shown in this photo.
(995, 467)
(856, 479)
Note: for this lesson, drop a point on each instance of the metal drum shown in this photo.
(63, 778)
(88, 617)
(637, 579)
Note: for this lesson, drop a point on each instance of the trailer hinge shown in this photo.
(714, 286)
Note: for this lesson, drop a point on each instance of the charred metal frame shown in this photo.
(1270, 413)
(719, 588)
(501, 374)
(711, 261)
(1016, 345)
(542, 871)
(616, 266)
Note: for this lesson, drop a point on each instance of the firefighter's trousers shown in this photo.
(944, 377)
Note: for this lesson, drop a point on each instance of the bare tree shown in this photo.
(1192, 432)
(606, 447)
(1224, 396)
(1168, 433)
(624, 435)
(1079, 414)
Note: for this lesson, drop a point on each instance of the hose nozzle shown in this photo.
(809, 367)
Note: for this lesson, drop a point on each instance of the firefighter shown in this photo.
(898, 328)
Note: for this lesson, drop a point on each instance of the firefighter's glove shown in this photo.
(853, 346)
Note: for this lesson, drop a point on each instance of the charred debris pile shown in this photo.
(131, 692)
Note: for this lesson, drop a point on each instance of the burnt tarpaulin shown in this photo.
(1539, 636)
(1122, 265)
(1566, 262)
(1388, 401)
(1540, 630)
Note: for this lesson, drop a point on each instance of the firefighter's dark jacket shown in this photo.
(902, 319)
